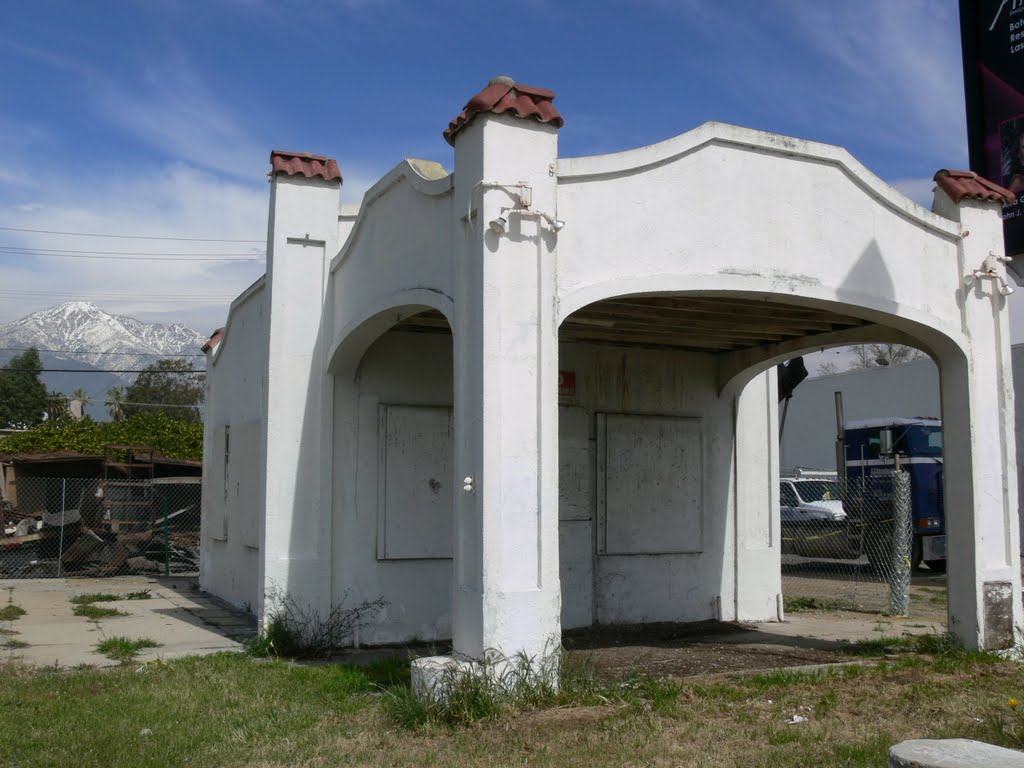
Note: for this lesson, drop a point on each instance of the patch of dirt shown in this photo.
(682, 650)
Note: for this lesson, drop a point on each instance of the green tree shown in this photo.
(83, 397)
(172, 387)
(115, 403)
(23, 396)
(57, 406)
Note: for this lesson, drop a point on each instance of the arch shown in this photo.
(890, 322)
(355, 337)
(388, 385)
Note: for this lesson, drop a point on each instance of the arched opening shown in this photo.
(392, 474)
(670, 455)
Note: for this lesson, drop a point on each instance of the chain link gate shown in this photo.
(53, 527)
(850, 545)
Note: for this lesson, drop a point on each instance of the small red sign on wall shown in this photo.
(567, 387)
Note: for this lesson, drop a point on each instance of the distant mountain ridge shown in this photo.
(83, 335)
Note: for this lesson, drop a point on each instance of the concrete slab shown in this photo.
(182, 620)
(952, 753)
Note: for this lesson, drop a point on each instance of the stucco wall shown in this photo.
(666, 586)
(233, 473)
(414, 369)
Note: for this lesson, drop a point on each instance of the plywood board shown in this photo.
(650, 481)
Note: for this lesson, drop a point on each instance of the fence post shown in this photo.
(63, 506)
(902, 542)
(167, 539)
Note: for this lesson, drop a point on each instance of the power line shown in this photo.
(103, 370)
(129, 237)
(85, 351)
(182, 257)
(13, 293)
(28, 249)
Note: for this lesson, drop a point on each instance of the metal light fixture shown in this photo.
(499, 225)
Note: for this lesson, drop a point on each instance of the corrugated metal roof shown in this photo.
(961, 184)
(503, 94)
(304, 164)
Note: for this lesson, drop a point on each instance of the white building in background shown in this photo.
(910, 390)
(539, 392)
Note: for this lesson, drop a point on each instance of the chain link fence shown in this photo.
(52, 527)
(860, 545)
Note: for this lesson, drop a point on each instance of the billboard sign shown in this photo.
(992, 35)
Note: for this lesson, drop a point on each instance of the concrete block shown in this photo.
(432, 677)
(952, 753)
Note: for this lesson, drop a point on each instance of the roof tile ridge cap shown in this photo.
(302, 155)
(487, 99)
(952, 172)
(533, 90)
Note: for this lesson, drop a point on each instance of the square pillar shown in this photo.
(295, 535)
(979, 452)
(506, 582)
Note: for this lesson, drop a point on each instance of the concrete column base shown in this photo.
(952, 753)
(433, 678)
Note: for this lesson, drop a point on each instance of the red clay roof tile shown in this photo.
(214, 340)
(503, 94)
(961, 184)
(304, 164)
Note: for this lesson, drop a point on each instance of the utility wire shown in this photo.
(130, 237)
(127, 258)
(101, 370)
(13, 292)
(29, 249)
(87, 352)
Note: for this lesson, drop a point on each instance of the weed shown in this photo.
(4, 631)
(95, 597)
(489, 689)
(142, 594)
(777, 736)
(294, 630)
(90, 611)
(10, 612)
(124, 649)
(13, 643)
(798, 603)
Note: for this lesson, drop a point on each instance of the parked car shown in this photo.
(814, 523)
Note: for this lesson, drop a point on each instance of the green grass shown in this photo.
(124, 649)
(10, 612)
(799, 603)
(90, 611)
(106, 597)
(232, 710)
(13, 643)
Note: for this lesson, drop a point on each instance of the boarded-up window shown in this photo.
(216, 515)
(243, 482)
(649, 484)
(415, 483)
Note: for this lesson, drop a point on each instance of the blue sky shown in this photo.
(157, 117)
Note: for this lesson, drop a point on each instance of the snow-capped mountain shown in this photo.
(92, 335)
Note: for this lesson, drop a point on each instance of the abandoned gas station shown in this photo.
(539, 392)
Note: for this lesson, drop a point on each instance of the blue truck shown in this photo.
(871, 449)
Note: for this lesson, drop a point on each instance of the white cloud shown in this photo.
(174, 201)
(899, 68)
(172, 108)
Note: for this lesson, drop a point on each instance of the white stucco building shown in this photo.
(539, 392)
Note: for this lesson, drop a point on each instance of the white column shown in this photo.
(295, 537)
(756, 494)
(982, 533)
(507, 596)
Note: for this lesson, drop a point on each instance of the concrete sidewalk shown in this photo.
(176, 615)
